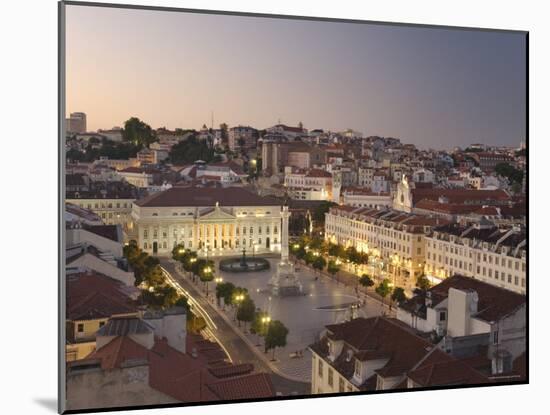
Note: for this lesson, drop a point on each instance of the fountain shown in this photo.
(244, 264)
(284, 282)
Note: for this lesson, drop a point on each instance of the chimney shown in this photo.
(462, 305)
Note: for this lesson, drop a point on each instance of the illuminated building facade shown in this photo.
(211, 221)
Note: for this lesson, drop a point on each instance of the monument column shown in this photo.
(285, 282)
(285, 214)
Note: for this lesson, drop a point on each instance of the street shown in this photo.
(236, 347)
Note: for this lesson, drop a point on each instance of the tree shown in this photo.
(237, 292)
(188, 260)
(131, 251)
(224, 128)
(333, 269)
(319, 263)
(320, 210)
(510, 172)
(276, 336)
(182, 302)
(317, 244)
(337, 250)
(352, 255)
(179, 252)
(137, 132)
(153, 275)
(366, 281)
(260, 323)
(398, 295)
(301, 253)
(206, 272)
(191, 150)
(309, 258)
(225, 290)
(383, 289)
(163, 296)
(423, 282)
(246, 310)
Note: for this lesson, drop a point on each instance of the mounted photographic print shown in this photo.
(260, 207)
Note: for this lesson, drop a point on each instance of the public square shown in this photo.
(324, 302)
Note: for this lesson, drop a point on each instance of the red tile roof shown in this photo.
(92, 296)
(250, 387)
(494, 303)
(182, 376)
(118, 351)
(318, 173)
(446, 372)
(202, 196)
(460, 196)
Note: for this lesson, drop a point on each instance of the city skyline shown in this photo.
(432, 87)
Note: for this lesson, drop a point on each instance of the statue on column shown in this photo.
(285, 282)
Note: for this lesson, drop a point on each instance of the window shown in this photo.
(357, 371)
(80, 328)
(341, 384)
(495, 337)
(144, 245)
(320, 368)
(330, 376)
(101, 324)
(442, 316)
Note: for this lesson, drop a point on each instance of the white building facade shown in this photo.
(211, 221)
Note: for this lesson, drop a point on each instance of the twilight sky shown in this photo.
(435, 88)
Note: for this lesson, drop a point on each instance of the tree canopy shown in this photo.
(276, 336)
(510, 172)
(319, 263)
(191, 150)
(320, 210)
(137, 132)
(423, 282)
(259, 325)
(246, 310)
(384, 288)
(398, 295)
(366, 281)
(333, 267)
(225, 290)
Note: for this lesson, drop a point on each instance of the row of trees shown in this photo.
(385, 288)
(274, 332)
(246, 312)
(198, 267)
(155, 290)
(308, 248)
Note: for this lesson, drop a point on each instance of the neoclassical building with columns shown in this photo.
(210, 221)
